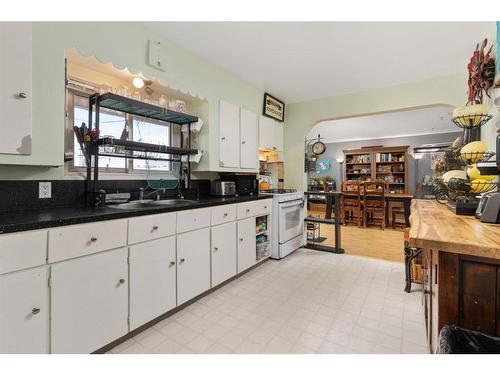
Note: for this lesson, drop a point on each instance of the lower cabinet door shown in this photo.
(152, 280)
(24, 312)
(246, 244)
(224, 261)
(89, 302)
(193, 264)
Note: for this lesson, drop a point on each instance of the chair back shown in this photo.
(374, 194)
(352, 191)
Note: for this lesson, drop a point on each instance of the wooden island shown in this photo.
(461, 269)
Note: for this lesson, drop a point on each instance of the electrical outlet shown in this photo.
(45, 190)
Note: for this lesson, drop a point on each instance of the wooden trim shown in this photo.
(158, 319)
(448, 280)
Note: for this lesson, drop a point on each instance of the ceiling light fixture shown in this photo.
(138, 82)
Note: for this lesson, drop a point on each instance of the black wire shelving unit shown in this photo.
(132, 149)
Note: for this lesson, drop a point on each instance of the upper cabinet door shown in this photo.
(248, 131)
(266, 133)
(15, 88)
(278, 136)
(229, 132)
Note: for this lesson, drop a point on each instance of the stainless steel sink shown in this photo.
(151, 203)
(172, 202)
(132, 205)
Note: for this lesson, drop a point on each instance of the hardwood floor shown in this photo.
(369, 242)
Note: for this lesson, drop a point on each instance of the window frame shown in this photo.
(129, 162)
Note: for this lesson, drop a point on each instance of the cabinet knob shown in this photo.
(22, 95)
(223, 138)
(172, 263)
(216, 249)
(35, 310)
(248, 210)
(122, 281)
(155, 227)
(225, 214)
(182, 260)
(274, 148)
(93, 239)
(241, 239)
(265, 207)
(242, 142)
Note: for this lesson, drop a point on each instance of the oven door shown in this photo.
(291, 219)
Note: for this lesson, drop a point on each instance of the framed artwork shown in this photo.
(323, 166)
(273, 108)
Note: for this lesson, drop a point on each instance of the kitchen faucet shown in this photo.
(142, 195)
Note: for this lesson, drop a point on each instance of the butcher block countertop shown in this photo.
(435, 226)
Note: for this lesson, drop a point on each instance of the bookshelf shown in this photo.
(379, 163)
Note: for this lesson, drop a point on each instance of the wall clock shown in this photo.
(318, 148)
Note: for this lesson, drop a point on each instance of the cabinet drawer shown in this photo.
(22, 250)
(77, 240)
(264, 206)
(150, 227)
(193, 219)
(224, 214)
(254, 208)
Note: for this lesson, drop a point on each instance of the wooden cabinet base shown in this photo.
(463, 290)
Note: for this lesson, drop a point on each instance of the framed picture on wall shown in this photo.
(273, 108)
(323, 166)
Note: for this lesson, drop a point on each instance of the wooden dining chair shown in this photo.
(352, 210)
(374, 205)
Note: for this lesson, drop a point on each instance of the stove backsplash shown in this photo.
(23, 194)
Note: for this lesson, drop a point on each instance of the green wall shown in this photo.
(125, 44)
(301, 117)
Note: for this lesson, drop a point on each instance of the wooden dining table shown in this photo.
(405, 198)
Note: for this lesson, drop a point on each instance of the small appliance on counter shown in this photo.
(488, 209)
(246, 184)
(222, 188)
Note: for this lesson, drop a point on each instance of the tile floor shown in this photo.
(309, 302)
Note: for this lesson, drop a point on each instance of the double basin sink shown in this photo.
(146, 203)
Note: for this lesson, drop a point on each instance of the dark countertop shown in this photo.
(22, 220)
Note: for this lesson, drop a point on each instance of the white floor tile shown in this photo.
(309, 302)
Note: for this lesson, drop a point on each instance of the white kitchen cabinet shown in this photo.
(229, 133)
(278, 135)
(270, 134)
(89, 302)
(152, 280)
(15, 87)
(248, 137)
(85, 239)
(224, 252)
(246, 244)
(22, 250)
(24, 312)
(266, 133)
(193, 264)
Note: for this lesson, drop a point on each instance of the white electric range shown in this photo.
(287, 231)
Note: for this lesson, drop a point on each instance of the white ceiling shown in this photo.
(298, 61)
(387, 125)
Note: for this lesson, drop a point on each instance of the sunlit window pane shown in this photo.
(155, 133)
